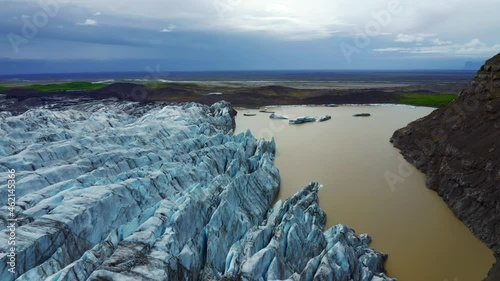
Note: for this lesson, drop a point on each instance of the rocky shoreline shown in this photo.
(457, 147)
(118, 190)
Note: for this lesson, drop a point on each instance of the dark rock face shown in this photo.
(458, 147)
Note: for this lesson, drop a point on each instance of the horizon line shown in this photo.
(246, 70)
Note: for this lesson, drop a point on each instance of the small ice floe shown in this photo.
(249, 114)
(362, 115)
(324, 118)
(278, 116)
(308, 119)
(301, 120)
(331, 105)
(214, 94)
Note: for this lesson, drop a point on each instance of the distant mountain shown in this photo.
(473, 65)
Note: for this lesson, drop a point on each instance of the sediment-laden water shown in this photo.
(368, 186)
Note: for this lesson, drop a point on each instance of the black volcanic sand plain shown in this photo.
(426, 93)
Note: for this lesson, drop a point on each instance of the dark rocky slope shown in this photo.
(458, 147)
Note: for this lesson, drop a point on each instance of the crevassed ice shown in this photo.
(114, 190)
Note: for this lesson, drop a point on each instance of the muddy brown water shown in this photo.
(352, 158)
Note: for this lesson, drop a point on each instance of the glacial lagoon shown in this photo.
(370, 188)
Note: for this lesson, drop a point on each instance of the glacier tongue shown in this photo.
(290, 245)
(114, 190)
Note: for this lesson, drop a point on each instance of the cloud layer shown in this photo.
(281, 30)
(472, 48)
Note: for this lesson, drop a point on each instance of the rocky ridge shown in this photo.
(115, 190)
(458, 148)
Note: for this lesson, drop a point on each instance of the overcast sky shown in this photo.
(128, 35)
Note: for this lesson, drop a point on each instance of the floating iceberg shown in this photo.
(324, 118)
(277, 116)
(362, 115)
(307, 119)
(301, 120)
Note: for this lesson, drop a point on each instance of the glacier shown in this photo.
(118, 190)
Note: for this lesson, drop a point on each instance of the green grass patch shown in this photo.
(427, 99)
(71, 86)
(2, 88)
